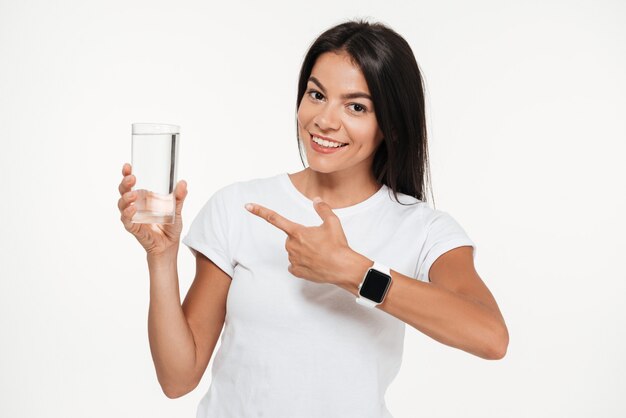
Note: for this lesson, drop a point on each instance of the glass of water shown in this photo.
(154, 160)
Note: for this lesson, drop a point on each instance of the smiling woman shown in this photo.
(369, 72)
(336, 117)
(296, 297)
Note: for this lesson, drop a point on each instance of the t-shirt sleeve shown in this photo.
(443, 234)
(209, 233)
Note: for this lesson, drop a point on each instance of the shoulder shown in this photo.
(419, 214)
(242, 191)
(256, 185)
(249, 184)
(408, 207)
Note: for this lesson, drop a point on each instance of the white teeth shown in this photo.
(325, 143)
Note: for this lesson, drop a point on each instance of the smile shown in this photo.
(326, 142)
(325, 147)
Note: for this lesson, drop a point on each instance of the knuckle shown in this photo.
(297, 234)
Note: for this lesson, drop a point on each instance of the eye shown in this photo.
(359, 108)
(312, 96)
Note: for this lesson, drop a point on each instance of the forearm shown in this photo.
(171, 340)
(445, 316)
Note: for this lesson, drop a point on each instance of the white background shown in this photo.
(526, 111)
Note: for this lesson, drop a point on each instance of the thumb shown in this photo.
(181, 194)
(324, 210)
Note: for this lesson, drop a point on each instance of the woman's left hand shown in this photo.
(317, 253)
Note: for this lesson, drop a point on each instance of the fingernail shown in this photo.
(249, 207)
(317, 199)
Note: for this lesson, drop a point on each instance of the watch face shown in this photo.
(375, 286)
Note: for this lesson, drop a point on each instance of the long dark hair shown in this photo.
(396, 86)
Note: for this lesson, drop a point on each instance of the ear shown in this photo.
(394, 135)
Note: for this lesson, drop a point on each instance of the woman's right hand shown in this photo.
(156, 239)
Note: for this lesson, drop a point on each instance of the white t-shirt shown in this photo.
(292, 348)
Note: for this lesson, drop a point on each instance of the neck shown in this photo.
(337, 189)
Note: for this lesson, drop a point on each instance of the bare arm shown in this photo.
(455, 308)
(182, 338)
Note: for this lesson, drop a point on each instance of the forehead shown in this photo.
(336, 71)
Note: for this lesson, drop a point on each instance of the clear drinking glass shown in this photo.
(154, 160)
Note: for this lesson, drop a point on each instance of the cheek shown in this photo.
(363, 132)
(304, 115)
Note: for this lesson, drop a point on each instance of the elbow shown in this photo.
(174, 394)
(178, 391)
(499, 344)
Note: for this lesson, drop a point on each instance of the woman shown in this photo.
(285, 276)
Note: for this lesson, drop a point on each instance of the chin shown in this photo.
(325, 170)
(315, 165)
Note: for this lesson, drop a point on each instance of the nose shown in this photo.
(327, 118)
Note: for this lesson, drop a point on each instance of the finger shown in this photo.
(324, 210)
(274, 218)
(127, 216)
(126, 169)
(127, 183)
(181, 194)
(126, 200)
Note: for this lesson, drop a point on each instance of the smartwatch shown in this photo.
(374, 286)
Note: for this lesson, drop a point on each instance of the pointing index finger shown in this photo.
(272, 217)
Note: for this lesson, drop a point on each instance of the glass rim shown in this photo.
(155, 128)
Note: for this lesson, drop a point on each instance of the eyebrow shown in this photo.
(354, 95)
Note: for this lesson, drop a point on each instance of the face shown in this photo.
(337, 105)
